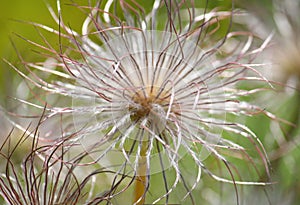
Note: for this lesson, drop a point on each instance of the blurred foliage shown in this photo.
(286, 163)
(15, 19)
(10, 13)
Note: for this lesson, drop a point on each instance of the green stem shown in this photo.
(141, 179)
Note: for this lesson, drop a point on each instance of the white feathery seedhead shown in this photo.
(156, 85)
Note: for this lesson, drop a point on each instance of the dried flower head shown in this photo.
(35, 174)
(284, 25)
(155, 93)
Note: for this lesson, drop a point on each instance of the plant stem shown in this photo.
(141, 179)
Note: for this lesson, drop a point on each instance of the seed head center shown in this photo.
(146, 104)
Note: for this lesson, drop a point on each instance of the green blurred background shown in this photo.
(286, 160)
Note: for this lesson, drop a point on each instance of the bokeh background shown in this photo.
(281, 140)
